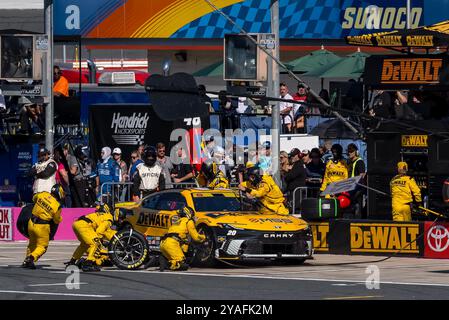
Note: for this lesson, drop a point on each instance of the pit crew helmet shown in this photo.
(209, 169)
(187, 212)
(58, 192)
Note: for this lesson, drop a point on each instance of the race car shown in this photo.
(234, 230)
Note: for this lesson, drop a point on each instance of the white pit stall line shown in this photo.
(58, 294)
(56, 284)
(284, 278)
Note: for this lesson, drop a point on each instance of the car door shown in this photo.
(168, 205)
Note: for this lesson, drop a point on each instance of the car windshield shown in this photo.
(219, 202)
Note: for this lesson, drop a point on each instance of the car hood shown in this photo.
(252, 221)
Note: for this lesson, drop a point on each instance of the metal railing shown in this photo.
(304, 193)
(115, 192)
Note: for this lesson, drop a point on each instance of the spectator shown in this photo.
(327, 153)
(135, 161)
(265, 157)
(62, 178)
(107, 171)
(117, 155)
(356, 167)
(300, 109)
(286, 109)
(205, 98)
(228, 111)
(305, 156)
(81, 169)
(314, 172)
(295, 177)
(165, 163)
(284, 167)
(44, 172)
(183, 171)
(141, 149)
(32, 116)
(60, 83)
(382, 105)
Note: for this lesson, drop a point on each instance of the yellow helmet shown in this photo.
(187, 212)
(249, 164)
(402, 165)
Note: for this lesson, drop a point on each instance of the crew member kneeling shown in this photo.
(404, 191)
(149, 177)
(265, 189)
(175, 241)
(46, 210)
(212, 177)
(90, 230)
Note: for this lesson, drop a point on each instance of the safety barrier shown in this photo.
(305, 192)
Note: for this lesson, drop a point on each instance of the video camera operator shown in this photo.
(81, 168)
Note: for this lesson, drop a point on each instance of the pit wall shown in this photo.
(339, 236)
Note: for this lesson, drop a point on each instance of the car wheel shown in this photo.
(205, 254)
(151, 261)
(128, 249)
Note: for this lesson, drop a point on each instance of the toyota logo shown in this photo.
(438, 238)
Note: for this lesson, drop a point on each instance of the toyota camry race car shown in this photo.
(234, 230)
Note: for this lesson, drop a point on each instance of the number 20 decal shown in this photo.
(232, 232)
(193, 121)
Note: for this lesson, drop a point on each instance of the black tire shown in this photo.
(128, 249)
(205, 257)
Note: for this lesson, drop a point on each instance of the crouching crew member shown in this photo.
(90, 230)
(212, 177)
(336, 169)
(175, 242)
(46, 210)
(149, 177)
(404, 192)
(265, 189)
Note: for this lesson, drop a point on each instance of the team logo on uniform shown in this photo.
(438, 238)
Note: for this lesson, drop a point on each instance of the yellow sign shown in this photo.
(414, 141)
(320, 232)
(417, 70)
(419, 41)
(384, 237)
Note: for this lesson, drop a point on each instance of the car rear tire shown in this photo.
(205, 256)
(128, 249)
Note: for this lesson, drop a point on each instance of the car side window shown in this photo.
(151, 202)
(170, 201)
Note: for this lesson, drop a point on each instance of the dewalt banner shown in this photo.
(341, 236)
(411, 71)
(389, 237)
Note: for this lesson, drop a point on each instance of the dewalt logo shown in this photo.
(414, 141)
(384, 238)
(416, 70)
(320, 232)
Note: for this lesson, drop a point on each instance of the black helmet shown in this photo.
(209, 169)
(149, 156)
(186, 212)
(103, 208)
(254, 172)
(58, 192)
(337, 152)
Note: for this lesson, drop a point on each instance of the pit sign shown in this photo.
(5, 224)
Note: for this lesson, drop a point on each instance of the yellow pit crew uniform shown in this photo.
(46, 209)
(334, 172)
(218, 182)
(404, 191)
(89, 230)
(270, 196)
(175, 242)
